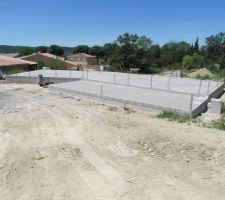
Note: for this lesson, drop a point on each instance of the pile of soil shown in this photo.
(201, 73)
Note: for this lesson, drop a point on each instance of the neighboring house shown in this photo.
(47, 58)
(84, 61)
(8, 63)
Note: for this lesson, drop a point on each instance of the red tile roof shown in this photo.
(7, 61)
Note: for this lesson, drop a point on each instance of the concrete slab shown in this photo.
(140, 97)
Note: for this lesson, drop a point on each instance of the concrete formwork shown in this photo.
(140, 97)
(164, 83)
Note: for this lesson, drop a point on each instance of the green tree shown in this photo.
(42, 49)
(155, 51)
(56, 50)
(173, 53)
(195, 61)
(196, 46)
(81, 49)
(187, 61)
(214, 50)
(112, 57)
(40, 64)
(97, 51)
(26, 51)
(128, 44)
(56, 64)
(144, 42)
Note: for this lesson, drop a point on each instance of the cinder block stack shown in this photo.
(215, 106)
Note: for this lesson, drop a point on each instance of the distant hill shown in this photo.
(10, 49)
(17, 49)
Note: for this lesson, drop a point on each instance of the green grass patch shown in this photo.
(113, 108)
(128, 110)
(219, 124)
(173, 116)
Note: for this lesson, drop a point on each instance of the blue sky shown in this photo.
(73, 22)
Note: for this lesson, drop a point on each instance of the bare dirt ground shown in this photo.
(55, 148)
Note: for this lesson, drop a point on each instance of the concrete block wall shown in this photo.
(33, 80)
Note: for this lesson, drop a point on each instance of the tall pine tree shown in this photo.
(196, 46)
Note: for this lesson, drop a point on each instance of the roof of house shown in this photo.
(49, 56)
(43, 54)
(11, 55)
(7, 61)
(83, 55)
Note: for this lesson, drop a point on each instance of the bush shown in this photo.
(128, 110)
(220, 124)
(56, 64)
(15, 70)
(41, 64)
(191, 62)
(173, 116)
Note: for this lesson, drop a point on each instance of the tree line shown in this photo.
(134, 51)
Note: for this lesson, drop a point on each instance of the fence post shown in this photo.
(208, 88)
(114, 77)
(128, 78)
(151, 81)
(70, 74)
(200, 86)
(168, 85)
(217, 83)
(101, 90)
(191, 106)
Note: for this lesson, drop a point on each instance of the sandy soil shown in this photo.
(203, 72)
(55, 148)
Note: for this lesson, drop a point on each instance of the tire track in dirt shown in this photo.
(117, 183)
(96, 184)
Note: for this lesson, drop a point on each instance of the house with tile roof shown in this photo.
(47, 58)
(84, 61)
(8, 63)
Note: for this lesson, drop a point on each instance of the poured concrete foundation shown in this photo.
(131, 96)
(183, 95)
